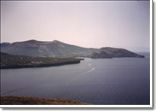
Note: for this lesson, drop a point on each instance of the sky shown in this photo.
(92, 24)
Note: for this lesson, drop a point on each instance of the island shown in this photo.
(57, 48)
(33, 53)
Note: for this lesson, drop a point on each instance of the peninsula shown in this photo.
(14, 61)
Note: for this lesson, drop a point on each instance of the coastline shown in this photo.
(12, 61)
(40, 65)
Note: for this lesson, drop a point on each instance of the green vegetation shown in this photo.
(13, 61)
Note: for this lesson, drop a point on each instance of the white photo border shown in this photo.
(150, 106)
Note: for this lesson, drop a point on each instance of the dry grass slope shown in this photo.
(22, 100)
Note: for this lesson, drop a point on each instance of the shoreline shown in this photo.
(40, 65)
(12, 61)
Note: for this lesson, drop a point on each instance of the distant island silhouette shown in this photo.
(33, 53)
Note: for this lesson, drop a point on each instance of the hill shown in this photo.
(108, 52)
(56, 48)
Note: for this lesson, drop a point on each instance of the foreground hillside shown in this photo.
(56, 48)
(13, 61)
(16, 100)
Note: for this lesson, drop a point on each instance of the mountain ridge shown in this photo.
(57, 48)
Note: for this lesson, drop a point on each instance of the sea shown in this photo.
(115, 81)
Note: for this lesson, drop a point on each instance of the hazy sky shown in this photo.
(85, 23)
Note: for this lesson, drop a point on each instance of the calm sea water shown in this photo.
(94, 81)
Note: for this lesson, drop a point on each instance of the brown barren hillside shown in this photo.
(22, 100)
